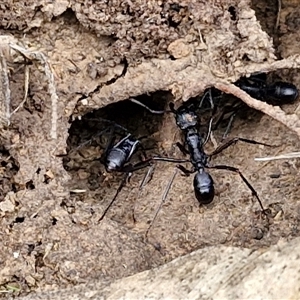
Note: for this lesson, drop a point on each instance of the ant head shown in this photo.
(204, 187)
(186, 119)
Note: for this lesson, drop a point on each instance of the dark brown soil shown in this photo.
(50, 202)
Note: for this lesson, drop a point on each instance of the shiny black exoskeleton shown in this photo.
(276, 93)
(225, 108)
(117, 158)
(187, 121)
(118, 155)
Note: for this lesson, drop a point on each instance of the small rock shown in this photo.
(7, 205)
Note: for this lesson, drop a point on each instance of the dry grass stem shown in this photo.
(5, 92)
(40, 57)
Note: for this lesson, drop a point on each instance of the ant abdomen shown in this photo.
(283, 92)
(204, 187)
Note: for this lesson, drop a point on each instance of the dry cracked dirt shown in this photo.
(83, 60)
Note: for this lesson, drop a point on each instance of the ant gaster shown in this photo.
(118, 155)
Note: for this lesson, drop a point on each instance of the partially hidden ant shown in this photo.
(276, 93)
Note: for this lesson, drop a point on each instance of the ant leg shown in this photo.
(115, 196)
(219, 120)
(231, 110)
(208, 92)
(109, 145)
(158, 112)
(172, 108)
(89, 141)
(208, 131)
(112, 123)
(129, 168)
(143, 150)
(169, 159)
(147, 178)
(228, 126)
(185, 171)
(233, 142)
(182, 148)
(237, 171)
(212, 105)
(164, 197)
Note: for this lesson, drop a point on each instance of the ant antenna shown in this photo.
(157, 112)
(165, 194)
(124, 180)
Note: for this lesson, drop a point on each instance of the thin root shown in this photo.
(40, 57)
(26, 85)
(5, 95)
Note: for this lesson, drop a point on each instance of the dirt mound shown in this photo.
(67, 59)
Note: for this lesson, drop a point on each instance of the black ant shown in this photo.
(117, 155)
(116, 158)
(276, 93)
(187, 121)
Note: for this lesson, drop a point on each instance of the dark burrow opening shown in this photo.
(180, 221)
(8, 169)
(91, 187)
(89, 137)
(266, 13)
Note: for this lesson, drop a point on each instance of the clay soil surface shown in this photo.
(52, 193)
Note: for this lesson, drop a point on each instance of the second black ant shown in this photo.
(187, 121)
(117, 156)
(276, 93)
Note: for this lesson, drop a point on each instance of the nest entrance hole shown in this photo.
(9, 167)
(89, 137)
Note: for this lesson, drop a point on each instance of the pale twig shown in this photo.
(282, 156)
(291, 62)
(278, 15)
(26, 85)
(165, 194)
(5, 91)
